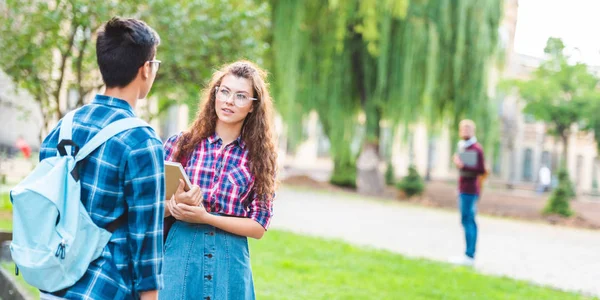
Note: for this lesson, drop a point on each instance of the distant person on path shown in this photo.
(470, 162)
(545, 179)
(22, 145)
(230, 156)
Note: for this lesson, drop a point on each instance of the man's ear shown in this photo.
(145, 70)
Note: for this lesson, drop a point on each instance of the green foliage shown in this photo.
(313, 71)
(558, 203)
(50, 46)
(561, 94)
(332, 269)
(197, 38)
(565, 181)
(46, 42)
(403, 61)
(5, 204)
(390, 175)
(591, 118)
(344, 173)
(412, 184)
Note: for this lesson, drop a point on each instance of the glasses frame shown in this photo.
(155, 61)
(230, 96)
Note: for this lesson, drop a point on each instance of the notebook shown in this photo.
(173, 172)
(468, 158)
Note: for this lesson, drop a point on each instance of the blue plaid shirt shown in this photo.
(123, 176)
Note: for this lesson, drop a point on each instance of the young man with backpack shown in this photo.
(88, 221)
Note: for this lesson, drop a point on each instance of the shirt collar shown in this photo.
(215, 138)
(113, 102)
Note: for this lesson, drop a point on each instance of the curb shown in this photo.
(9, 289)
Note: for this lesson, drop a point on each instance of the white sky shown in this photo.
(577, 22)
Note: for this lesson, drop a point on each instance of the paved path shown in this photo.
(561, 257)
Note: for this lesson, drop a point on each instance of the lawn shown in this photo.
(5, 212)
(289, 266)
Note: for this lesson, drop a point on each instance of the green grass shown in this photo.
(5, 224)
(5, 204)
(5, 212)
(289, 266)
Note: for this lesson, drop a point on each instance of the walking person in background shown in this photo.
(23, 146)
(470, 162)
(229, 154)
(545, 179)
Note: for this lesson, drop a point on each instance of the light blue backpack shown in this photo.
(54, 238)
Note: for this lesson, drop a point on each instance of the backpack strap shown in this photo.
(114, 225)
(100, 138)
(65, 141)
(66, 127)
(108, 132)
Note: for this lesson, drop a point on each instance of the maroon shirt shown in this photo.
(470, 184)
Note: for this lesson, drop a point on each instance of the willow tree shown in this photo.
(316, 77)
(395, 60)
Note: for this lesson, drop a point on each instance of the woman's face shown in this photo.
(233, 101)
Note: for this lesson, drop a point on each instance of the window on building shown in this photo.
(528, 165)
(359, 133)
(385, 143)
(595, 174)
(578, 170)
(546, 159)
(497, 169)
(323, 144)
(529, 119)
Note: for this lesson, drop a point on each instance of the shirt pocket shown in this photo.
(236, 184)
(239, 177)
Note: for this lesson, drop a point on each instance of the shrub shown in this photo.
(412, 184)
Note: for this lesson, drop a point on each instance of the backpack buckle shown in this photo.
(61, 147)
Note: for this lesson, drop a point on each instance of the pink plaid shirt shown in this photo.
(224, 177)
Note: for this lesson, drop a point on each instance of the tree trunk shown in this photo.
(344, 162)
(565, 153)
(430, 150)
(80, 89)
(65, 55)
(370, 180)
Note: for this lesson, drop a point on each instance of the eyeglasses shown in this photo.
(239, 99)
(155, 62)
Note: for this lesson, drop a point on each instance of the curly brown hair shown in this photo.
(257, 131)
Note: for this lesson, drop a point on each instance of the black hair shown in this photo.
(123, 46)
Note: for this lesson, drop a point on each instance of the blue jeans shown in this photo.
(468, 209)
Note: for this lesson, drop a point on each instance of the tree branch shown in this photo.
(79, 69)
(63, 64)
(87, 92)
